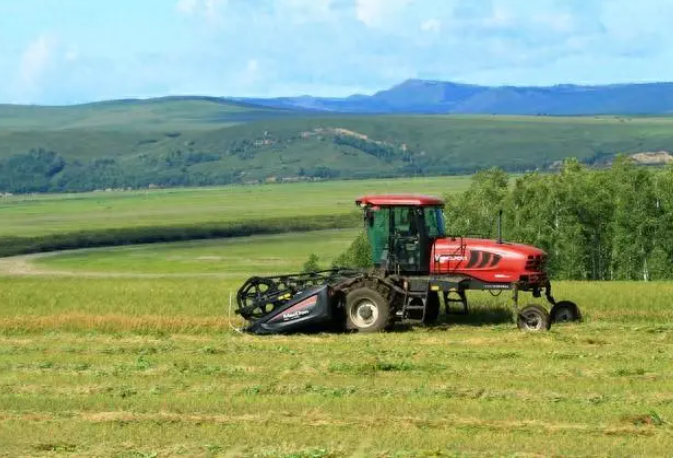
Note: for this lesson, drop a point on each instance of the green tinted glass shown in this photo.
(434, 222)
(377, 232)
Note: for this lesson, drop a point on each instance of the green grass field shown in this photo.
(132, 351)
(150, 367)
(45, 214)
(239, 257)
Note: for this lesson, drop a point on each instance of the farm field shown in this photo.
(46, 214)
(150, 367)
(133, 351)
(236, 257)
(146, 364)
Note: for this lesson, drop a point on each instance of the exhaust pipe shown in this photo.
(500, 227)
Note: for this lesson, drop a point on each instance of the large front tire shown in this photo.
(366, 311)
(533, 318)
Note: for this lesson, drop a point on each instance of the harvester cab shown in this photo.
(417, 269)
(402, 230)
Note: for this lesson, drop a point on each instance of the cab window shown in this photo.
(434, 222)
(377, 232)
(404, 221)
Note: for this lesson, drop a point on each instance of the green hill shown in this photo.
(135, 115)
(204, 141)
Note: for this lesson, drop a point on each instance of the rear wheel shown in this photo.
(366, 310)
(533, 318)
(565, 312)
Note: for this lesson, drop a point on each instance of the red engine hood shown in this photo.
(487, 260)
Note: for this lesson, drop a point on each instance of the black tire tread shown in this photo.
(541, 310)
(375, 290)
(570, 304)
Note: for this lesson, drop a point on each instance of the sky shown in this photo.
(72, 51)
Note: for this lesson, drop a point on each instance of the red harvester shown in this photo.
(416, 268)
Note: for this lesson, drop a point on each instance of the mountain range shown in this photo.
(439, 97)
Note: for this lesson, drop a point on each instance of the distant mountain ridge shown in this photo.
(440, 97)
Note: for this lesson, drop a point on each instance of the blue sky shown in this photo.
(71, 51)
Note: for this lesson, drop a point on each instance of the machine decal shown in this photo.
(448, 258)
(497, 286)
(297, 310)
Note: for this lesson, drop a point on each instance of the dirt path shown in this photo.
(24, 266)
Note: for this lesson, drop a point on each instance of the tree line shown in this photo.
(609, 224)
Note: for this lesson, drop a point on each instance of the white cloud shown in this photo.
(251, 74)
(187, 6)
(374, 13)
(211, 9)
(431, 25)
(500, 18)
(34, 61)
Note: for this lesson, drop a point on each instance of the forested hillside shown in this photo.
(190, 142)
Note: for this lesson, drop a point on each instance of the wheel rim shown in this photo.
(564, 315)
(532, 321)
(364, 314)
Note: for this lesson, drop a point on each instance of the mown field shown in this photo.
(150, 367)
(133, 352)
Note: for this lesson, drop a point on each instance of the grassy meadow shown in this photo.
(41, 223)
(238, 257)
(48, 214)
(132, 351)
(135, 367)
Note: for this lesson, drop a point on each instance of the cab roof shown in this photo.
(390, 200)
